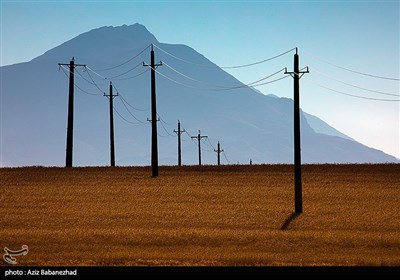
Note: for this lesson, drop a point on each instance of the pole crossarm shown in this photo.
(300, 72)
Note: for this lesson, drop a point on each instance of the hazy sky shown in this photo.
(358, 35)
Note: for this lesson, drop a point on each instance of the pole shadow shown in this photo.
(288, 220)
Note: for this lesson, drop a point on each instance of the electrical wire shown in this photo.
(270, 82)
(225, 87)
(174, 81)
(162, 125)
(134, 108)
(227, 160)
(122, 79)
(116, 76)
(126, 107)
(187, 77)
(116, 111)
(91, 78)
(94, 72)
(190, 136)
(224, 67)
(184, 130)
(78, 87)
(210, 144)
(353, 95)
(79, 73)
(205, 150)
(255, 82)
(162, 135)
(110, 68)
(350, 70)
(252, 84)
(348, 84)
(162, 120)
(122, 97)
(258, 62)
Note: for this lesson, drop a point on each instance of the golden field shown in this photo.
(202, 216)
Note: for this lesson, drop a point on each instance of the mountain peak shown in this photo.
(135, 30)
(101, 42)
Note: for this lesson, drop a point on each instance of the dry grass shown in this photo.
(227, 215)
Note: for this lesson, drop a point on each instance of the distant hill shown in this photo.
(247, 123)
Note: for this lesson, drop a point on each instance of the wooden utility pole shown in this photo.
(218, 151)
(199, 137)
(297, 74)
(112, 148)
(154, 145)
(179, 132)
(70, 118)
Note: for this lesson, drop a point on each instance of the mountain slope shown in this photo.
(247, 123)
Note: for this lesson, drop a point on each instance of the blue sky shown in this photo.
(360, 35)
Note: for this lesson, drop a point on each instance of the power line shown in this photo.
(224, 67)
(164, 136)
(350, 70)
(252, 84)
(90, 76)
(227, 160)
(255, 82)
(133, 68)
(187, 77)
(210, 144)
(134, 108)
(258, 62)
(206, 150)
(137, 109)
(110, 68)
(90, 82)
(162, 125)
(101, 76)
(270, 82)
(353, 95)
(162, 120)
(122, 79)
(219, 86)
(185, 130)
(116, 111)
(126, 107)
(82, 90)
(348, 84)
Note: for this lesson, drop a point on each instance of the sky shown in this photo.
(331, 36)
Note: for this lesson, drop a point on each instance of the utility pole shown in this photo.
(297, 74)
(154, 147)
(218, 151)
(199, 137)
(179, 132)
(112, 149)
(70, 118)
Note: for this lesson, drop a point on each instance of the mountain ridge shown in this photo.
(248, 123)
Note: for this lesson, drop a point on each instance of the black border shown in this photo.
(88, 272)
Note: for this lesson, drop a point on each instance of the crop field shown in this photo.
(233, 215)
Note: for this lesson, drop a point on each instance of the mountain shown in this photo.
(248, 124)
(321, 127)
